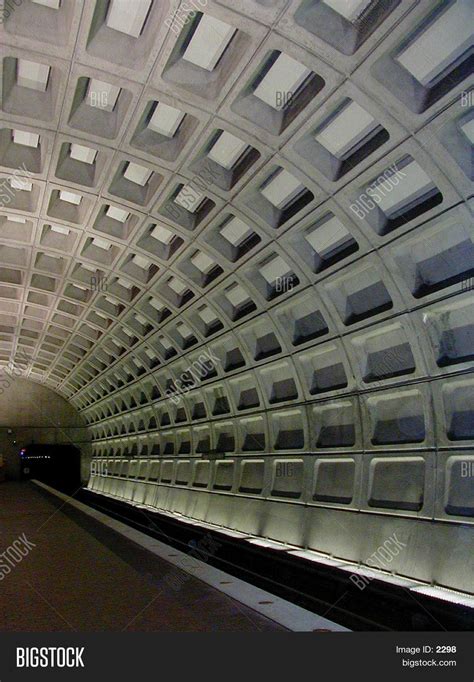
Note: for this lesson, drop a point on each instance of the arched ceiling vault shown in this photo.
(284, 186)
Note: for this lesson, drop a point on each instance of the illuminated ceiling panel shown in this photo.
(284, 77)
(208, 42)
(440, 44)
(128, 17)
(165, 120)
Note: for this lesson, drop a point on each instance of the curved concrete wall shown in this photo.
(33, 412)
(313, 303)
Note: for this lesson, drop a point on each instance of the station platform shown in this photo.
(82, 576)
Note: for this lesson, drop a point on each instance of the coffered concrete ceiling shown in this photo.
(172, 186)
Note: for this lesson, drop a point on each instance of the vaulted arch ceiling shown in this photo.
(285, 186)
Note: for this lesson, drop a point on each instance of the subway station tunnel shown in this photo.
(236, 275)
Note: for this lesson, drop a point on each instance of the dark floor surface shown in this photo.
(81, 576)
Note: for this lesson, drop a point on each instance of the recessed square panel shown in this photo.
(137, 174)
(441, 44)
(128, 16)
(414, 183)
(32, 75)
(227, 150)
(285, 76)
(81, 153)
(117, 213)
(282, 189)
(397, 482)
(26, 139)
(208, 43)
(165, 120)
(349, 129)
(102, 95)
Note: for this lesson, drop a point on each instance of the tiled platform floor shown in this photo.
(81, 576)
